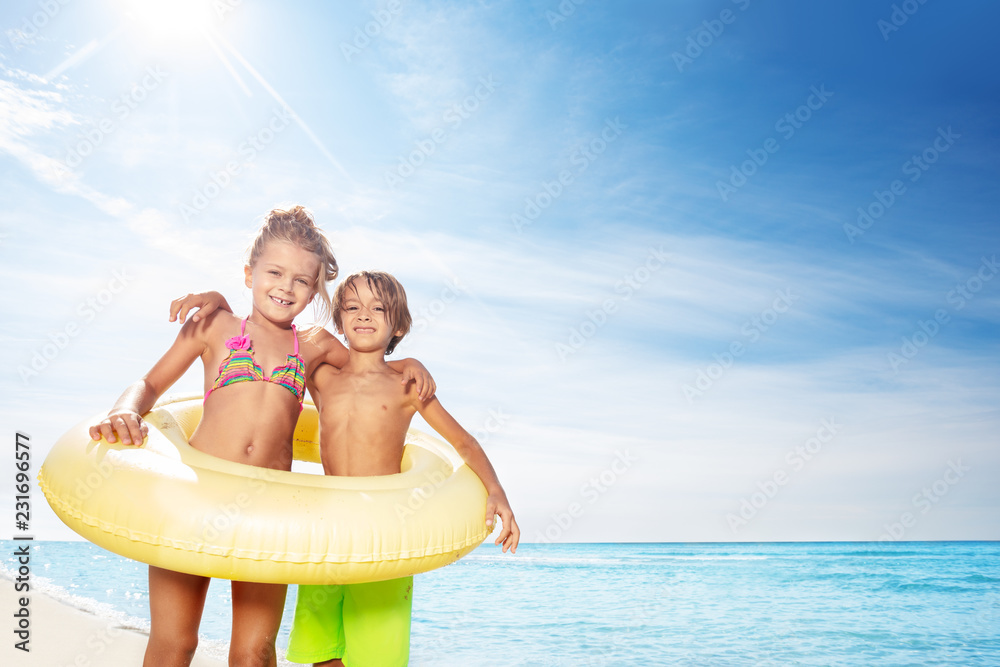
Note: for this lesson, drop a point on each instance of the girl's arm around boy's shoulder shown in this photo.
(472, 453)
(203, 304)
(415, 372)
(124, 420)
(331, 350)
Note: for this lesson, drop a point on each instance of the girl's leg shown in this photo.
(257, 612)
(176, 601)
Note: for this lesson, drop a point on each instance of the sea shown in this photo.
(713, 604)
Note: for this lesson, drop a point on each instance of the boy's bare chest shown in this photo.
(365, 393)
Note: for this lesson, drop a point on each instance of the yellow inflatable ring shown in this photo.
(170, 505)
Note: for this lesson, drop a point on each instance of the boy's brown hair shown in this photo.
(389, 291)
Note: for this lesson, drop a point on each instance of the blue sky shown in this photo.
(629, 233)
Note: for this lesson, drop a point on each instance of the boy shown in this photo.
(364, 414)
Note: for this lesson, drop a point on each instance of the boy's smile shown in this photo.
(364, 319)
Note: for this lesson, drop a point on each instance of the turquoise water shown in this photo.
(905, 603)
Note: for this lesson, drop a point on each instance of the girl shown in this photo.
(250, 415)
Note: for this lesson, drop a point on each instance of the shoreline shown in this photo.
(61, 634)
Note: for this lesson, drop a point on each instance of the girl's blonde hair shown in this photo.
(297, 226)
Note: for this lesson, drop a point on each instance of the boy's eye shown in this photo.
(273, 272)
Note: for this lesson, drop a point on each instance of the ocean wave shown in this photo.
(924, 587)
(732, 557)
(522, 560)
(590, 561)
(99, 609)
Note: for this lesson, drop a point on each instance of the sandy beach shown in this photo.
(63, 636)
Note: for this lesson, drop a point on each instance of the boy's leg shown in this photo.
(257, 612)
(377, 623)
(317, 630)
(176, 601)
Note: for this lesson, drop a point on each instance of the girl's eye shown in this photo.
(304, 281)
(379, 308)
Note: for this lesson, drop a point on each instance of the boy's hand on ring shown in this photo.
(510, 535)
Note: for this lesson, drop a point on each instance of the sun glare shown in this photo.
(170, 21)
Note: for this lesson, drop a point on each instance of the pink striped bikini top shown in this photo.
(240, 366)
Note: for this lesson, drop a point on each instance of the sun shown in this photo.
(174, 22)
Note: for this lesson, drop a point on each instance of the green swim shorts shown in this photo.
(367, 625)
